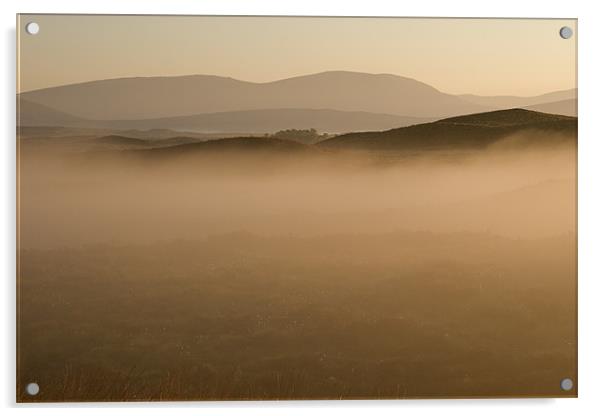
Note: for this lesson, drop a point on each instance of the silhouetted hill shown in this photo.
(505, 118)
(472, 131)
(160, 97)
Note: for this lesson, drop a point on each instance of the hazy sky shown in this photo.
(497, 56)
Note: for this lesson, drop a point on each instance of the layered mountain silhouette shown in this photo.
(332, 102)
(160, 97)
(472, 131)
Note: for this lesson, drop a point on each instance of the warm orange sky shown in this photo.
(478, 56)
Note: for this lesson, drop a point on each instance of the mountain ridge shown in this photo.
(155, 97)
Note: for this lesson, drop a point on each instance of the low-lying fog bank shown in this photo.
(128, 196)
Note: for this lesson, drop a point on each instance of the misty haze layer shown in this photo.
(519, 193)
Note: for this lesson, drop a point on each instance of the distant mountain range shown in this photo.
(334, 102)
(161, 97)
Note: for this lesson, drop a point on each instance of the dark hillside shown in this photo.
(472, 131)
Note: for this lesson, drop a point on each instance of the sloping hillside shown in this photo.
(472, 131)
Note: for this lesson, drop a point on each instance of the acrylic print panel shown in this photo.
(259, 208)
